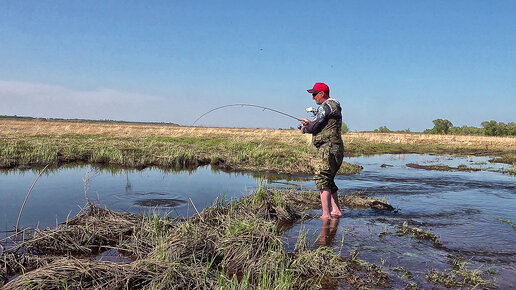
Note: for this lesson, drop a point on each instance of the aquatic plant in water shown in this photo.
(419, 233)
(459, 276)
(509, 222)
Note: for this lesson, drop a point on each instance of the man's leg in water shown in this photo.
(337, 154)
(325, 203)
(328, 231)
(326, 166)
(335, 204)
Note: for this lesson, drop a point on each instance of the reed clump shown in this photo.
(72, 273)
(228, 245)
(93, 228)
(511, 170)
(507, 159)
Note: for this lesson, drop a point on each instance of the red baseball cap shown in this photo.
(319, 87)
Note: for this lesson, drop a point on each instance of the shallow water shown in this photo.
(463, 208)
(466, 209)
(59, 194)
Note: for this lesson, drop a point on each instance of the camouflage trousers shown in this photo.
(326, 164)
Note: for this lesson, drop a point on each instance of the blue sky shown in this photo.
(399, 64)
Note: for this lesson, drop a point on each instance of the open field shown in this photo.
(37, 143)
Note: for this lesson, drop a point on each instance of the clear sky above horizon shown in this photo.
(399, 64)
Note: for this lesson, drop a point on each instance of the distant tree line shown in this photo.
(489, 128)
(344, 128)
(443, 126)
(15, 117)
(384, 129)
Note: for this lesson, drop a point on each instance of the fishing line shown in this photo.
(247, 105)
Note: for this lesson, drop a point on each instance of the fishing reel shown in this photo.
(311, 110)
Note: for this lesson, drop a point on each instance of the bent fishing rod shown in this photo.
(247, 105)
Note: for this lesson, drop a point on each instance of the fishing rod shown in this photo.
(247, 105)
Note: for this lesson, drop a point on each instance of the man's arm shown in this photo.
(320, 120)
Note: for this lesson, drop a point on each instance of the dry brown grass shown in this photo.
(13, 128)
(39, 128)
(31, 143)
(415, 138)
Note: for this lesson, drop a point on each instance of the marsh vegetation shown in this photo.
(25, 144)
(235, 245)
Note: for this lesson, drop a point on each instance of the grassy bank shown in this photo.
(227, 246)
(395, 143)
(26, 144)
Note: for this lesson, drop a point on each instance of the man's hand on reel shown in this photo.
(305, 123)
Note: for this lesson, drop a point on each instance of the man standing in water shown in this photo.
(327, 138)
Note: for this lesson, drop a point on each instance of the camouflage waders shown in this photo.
(326, 164)
(328, 143)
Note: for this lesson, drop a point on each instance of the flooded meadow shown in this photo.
(470, 213)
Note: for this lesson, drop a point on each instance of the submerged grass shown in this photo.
(405, 274)
(419, 233)
(509, 222)
(460, 276)
(441, 167)
(227, 246)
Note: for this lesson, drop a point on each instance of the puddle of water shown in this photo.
(463, 208)
(112, 255)
(60, 194)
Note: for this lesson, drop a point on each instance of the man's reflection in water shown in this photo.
(328, 231)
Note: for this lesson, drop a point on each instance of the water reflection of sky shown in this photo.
(60, 193)
(464, 208)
